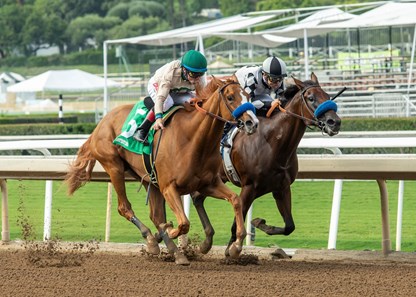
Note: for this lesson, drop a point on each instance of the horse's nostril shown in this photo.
(330, 122)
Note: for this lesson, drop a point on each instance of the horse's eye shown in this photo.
(230, 98)
(311, 98)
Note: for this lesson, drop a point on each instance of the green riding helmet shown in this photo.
(194, 61)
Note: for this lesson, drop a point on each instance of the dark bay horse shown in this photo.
(187, 160)
(267, 161)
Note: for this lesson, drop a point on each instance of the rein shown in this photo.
(277, 104)
(321, 109)
(196, 103)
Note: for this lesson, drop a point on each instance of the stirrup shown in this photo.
(140, 137)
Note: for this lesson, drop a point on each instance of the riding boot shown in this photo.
(141, 133)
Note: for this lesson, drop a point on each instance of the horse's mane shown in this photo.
(206, 92)
(291, 90)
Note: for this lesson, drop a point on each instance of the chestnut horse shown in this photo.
(186, 160)
(267, 161)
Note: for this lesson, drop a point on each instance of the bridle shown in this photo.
(315, 114)
(198, 102)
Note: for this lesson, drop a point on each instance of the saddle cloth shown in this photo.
(136, 116)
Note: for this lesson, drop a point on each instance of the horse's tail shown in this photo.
(80, 170)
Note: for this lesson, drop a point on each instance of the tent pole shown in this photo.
(201, 44)
(409, 79)
(306, 54)
(105, 95)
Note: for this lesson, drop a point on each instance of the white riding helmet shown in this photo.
(275, 67)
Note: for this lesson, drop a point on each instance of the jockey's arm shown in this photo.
(159, 112)
(250, 85)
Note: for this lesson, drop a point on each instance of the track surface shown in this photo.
(123, 270)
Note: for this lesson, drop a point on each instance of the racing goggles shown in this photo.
(195, 74)
(273, 79)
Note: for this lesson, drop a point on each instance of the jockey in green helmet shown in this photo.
(185, 74)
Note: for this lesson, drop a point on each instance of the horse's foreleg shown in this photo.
(125, 209)
(284, 204)
(198, 201)
(247, 197)
(158, 217)
(174, 201)
(220, 190)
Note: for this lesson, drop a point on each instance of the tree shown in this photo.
(76, 8)
(44, 27)
(90, 30)
(233, 7)
(121, 11)
(11, 25)
(136, 26)
(146, 9)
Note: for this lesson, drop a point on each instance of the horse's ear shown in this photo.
(314, 78)
(217, 81)
(234, 78)
(299, 83)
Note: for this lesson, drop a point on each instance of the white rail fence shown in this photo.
(380, 167)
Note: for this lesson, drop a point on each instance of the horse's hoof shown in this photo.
(152, 247)
(279, 254)
(227, 252)
(257, 222)
(180, 259)
(204, 248)
(234, 251)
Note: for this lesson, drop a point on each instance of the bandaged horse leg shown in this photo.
(198, 201)
(180, 258)
(158, 217)
(152, 246)
(116, 172)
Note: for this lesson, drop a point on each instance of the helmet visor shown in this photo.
(195, 74)
(272, 78)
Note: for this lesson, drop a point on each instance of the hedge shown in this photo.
(47, 129)
(84, 124)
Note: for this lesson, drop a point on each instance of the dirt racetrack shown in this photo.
(123, 270)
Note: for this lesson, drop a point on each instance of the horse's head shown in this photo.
(317, 107)
(234, 105)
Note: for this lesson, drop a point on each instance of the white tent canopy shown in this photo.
(311, 23)
(389, 14)
(308, 27)
(62, 81)
(260, 39)
(191, 33)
